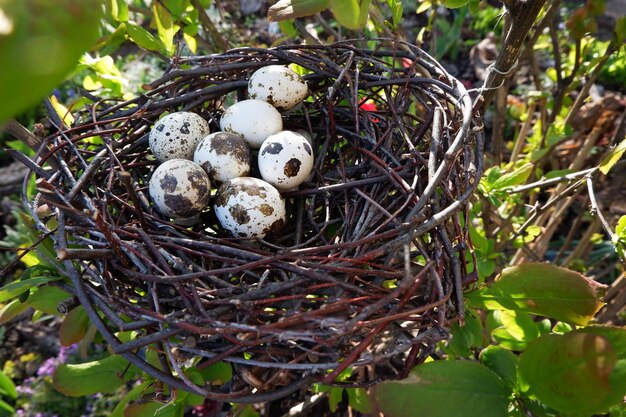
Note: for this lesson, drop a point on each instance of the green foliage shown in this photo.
(17, 288)
(619, 239)
(74, 327)
(578, 373)
(443, 388)
(543, 289)
(7, 390)
(40, 43)
(105, 375)
(292, 9)
(351, 13)
(465, 338)
(503, 362)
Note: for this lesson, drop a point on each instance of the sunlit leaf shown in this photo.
(613, 157)
(518, 176)
(62, 111)
(143, 38)
(545, 290)
(14, 289)
(11, 310)
(350, 13)
(119, 10)
(165, 26)
(41, 41)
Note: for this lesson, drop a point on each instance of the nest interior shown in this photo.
(367, 271)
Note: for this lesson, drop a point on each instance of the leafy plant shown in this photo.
(572, 371)
(41, 42)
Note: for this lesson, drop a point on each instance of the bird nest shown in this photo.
(368, 270)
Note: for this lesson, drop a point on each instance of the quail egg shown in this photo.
(254, 120)
(249, 207)
(179, 188)
(280, 86)
(285, 160)
(176, 135)
(223, 156)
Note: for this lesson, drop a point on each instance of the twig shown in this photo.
(523, 15)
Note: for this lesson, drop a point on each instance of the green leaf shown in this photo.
(12, 309)
(620, 30)
(46, 246)
(454, 4)
(7, 387)
(561, 328)
(516, 329)
(501, 361)
(41, 41)
(119, 10)
(620, 228)
(218, 374)
(358, 400)
(6, 409)
(47, 299)
(611, 159)
(165, 26)
(293, 9)
(335, 395)
(466, 337)
(511, 179)
(350, 13)
(581, 372)
(105, 375)
(16, 288)
(143, 38)
(155, 409)
(132, 395)
(542, 289)
(196, 377)
(444, 389)
(74, 326)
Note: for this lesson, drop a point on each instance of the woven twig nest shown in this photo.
(368, 269)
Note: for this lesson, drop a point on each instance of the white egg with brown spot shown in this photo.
(279, 85)
(254, 120)
(223, 156)
(176, 135)
(179, 188)
(248, 207)
(285, 160)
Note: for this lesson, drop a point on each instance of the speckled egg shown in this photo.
(249, 207)
(280, 86)
(223, 156)
(180, 188)
(285, 160)
(254, 120)
(176, 135)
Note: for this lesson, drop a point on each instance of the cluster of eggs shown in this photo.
(192, 158)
